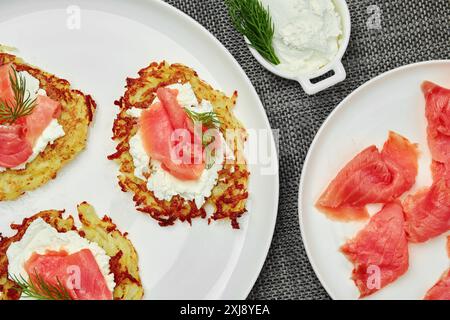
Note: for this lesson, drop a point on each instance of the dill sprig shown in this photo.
(22, 105)
(207, 140)
(40, 289)
(210, 159)
(209, 119)
(252, 20)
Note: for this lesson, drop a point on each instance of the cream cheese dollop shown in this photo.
(32, 85)
(41, 237)
(307, 33)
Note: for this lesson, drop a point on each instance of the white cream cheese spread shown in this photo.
(307, 33)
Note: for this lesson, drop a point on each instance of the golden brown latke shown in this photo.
(124, 259)
(77, 113)
(229, 196)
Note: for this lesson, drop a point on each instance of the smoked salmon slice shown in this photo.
(437, 112)
(184, 171)
(379, 252)
(43, 113)
(176, 113)
(441, 290)
(78, 272)
(156, 131)
(159, 125)
(371, 177)
(6, 92)
(438, 170)
(428, 212)
(15, 149)
(17, 140)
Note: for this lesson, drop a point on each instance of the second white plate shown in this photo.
(392, 101)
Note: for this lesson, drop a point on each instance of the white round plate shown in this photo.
(392, 101)
(117, 38)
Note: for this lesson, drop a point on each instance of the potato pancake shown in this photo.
(229, 196)
(123, 262)
(77, 111)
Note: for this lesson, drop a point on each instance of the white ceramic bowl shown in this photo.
(335, 65)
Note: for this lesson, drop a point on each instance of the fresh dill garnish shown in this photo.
(208, 140)
(211, 121)
(22, 105)
(251, 19)
(208, 119)
(210, 159)
(40, 289)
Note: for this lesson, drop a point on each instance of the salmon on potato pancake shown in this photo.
(48, 248)
(167, 100)
(43, 126)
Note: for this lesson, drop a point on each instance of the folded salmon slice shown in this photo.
(158, 125)
(79, 273)
(371, 177)
(428, 212)
(6, 92)
(17, 140)
(438, 170)
(15, 149)
(379, 252)
(441, 290)
(43, 113)
(437, 112)
(176, 113)
(156, 131)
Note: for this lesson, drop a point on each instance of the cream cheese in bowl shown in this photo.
(307, 33)
(310, 38)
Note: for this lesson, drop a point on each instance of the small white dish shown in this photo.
(335, 65)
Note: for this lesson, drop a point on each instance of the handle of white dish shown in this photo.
(313, 88)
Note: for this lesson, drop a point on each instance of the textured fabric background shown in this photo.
(411, 31)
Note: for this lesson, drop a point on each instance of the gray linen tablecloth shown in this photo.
(410, 31)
